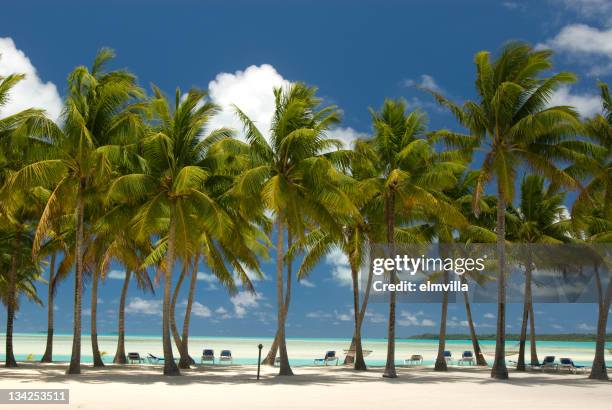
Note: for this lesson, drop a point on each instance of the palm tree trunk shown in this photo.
(170, 368)
(271, 356)
(186, 361)
(48, 355)
(285, 368)
(532, 337)
(598, 369)
(173, 327)
(10, 304)
(499, 370)
(390, 219)
(75, 357)
(520, 366)
(97, 358)
(480, 359)
(440, 359)
(356, 346)
(120, 354)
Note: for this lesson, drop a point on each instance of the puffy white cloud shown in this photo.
(489, 316)
(141, 306)
(244, 300)
(583, 39)
(346, 135)
(116, 274)
(586, 104)
(31, 92)
(307, 283)
(251, 90)
(409, 319)
(341, 271)
(425, 80)
(200, 310)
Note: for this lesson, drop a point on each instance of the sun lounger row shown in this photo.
(467, 358)
(208, 355)
(565, 363)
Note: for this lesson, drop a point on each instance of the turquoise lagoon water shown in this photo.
(302, 351)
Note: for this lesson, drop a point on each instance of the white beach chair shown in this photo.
(415, 360)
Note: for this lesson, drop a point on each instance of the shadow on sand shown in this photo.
(305, 376)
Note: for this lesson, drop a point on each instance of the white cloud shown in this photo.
(585, 45)
(200, 310)
(341, 269)
(317, 314)
(346, 135)
(307, 283)
(344, 317)
(116, 274)
(585, 326)
(244, 300)
(31, 92)
(409, 319)
(86, 312)
(251, 90)
(375, 317)
(251, 274)
(206, 277)
(556, 326)
(489, 316)
(426, 81)
(586, 104)
(141, 306)
(583, 39)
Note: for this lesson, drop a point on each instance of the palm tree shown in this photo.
(172, 187)
(19, 274)
(293, 175)
(593, 211)
(408, 174)
(100, 114)
(512, 121)
(539, 219)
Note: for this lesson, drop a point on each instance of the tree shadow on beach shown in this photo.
(307, 376)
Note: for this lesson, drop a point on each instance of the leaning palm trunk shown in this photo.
(48, 355)
(356, 345)
(271, 356)
(186, 361)
(170, 368)
(173, 327)
(120, 354)
(499, 370)
(285, 368)
(598, 369)
(480, 359)
(97, 358)
(440, 359)
(10, 306)
(390, 219)
(75, 357)
(520, 366)
(532, 337)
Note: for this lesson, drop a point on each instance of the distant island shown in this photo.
(562, 337)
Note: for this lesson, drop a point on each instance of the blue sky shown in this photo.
(357, 53)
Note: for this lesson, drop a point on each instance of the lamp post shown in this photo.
(260, 346)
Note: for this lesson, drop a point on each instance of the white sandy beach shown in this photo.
(236, 387)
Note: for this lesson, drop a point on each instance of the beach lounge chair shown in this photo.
(448, 356)
(415, 360)
(547, 364)
(226, 356)
(134, 357)
(565, 363)
(154, 359)
(330, 356)
(466, 358)
(208, 355)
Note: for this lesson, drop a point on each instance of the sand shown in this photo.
(235, 387)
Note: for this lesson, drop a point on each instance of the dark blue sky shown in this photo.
(357, 53)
